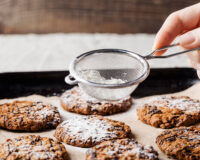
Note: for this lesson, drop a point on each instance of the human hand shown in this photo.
(185, 24)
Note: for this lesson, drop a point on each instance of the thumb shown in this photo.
(190, 39)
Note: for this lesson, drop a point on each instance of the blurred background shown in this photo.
(39, 35)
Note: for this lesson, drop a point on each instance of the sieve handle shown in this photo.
(70, 80)
(151, 55)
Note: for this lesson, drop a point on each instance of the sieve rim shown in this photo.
(103, 51)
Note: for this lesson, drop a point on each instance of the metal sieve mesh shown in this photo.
(117, 65)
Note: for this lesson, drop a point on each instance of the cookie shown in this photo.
(170, 111)
(75, 100)
(32, 147)
(121, 149)
(28, 116)
(181, 143)
(91, 130)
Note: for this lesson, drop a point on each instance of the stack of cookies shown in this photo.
(106, 139)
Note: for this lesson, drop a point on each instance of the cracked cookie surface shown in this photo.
(121, 149)
(169, 111)
(28, 116)
(181, 143)
(32, 147)
(91, 130)
(75, 100)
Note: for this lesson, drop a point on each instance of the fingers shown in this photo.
(190, 39)
(170, 29)
(177, 23)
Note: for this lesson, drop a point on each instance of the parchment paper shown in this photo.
(143, 133)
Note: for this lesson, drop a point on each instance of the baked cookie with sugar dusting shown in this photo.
(121, 149)
(169, 111)
(91, 130)
(32, 147)
(28, 116)
(75, 100)
(181, 143)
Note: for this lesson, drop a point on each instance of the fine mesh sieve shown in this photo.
(128, 67)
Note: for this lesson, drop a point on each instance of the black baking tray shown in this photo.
(160, 81)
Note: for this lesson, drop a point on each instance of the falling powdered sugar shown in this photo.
(95, 76)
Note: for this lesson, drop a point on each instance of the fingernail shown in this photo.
(186, 39)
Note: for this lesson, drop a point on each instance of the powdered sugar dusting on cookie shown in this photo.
(124, 148)
(134, 148)
(142, 151)
(37, 151)
(180, 143)
(194, 137)
(74, 94)
(188, 133)
(43, 111)
(29, 116)
(32, 147)
(183, 103)
(75, 100)
(89, 128)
